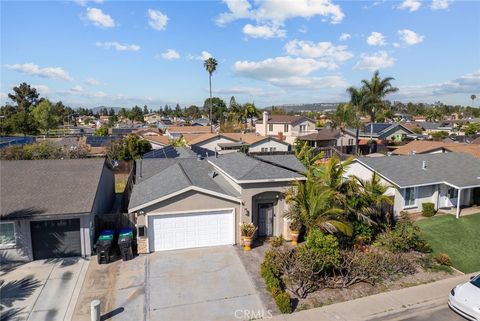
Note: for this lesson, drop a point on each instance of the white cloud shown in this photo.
(92, 82)
(302, 29)
(278, 11)
(35, 70)
(410, 37)
(170, 54)
(77, 89)
(249, 91)
(311, 82)
(264, 31)
(325, 51)
(118, 46)
(376, 39)
(204, 56)
(42, 89)
(83, 3)
(157, 20)
(99, 19)
(378, 60)
(440, 4)
(411, 5)
(279, 67)
(344, 36)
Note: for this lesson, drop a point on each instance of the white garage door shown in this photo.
(182, 231)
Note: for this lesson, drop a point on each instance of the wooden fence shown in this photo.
(114, 222)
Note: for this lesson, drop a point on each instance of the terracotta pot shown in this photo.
(294, 235)
(247, 243)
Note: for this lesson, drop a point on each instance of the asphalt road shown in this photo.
(437, 312)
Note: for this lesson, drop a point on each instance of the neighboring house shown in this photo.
(447, 179)
(225, 142)
(122, 131)
(385, 132)
(151, 118)
(328, 137)
(48, 207)
(200, 122)
(174, 132)
(430, 128)
(431, 147)
(285, 127)
(98, 144)
(193, 202)
(170, 152)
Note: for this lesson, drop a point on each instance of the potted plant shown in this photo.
(247, 230)
(295, 227)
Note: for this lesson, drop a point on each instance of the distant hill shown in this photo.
(307, 107)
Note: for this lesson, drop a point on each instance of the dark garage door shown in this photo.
(59, 238)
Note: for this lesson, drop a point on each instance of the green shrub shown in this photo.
(362, 232)
(271, 280)
(443, 259)
(404, 237)
(324, 248)
(277, 241)
(428, 209)
(284, 302)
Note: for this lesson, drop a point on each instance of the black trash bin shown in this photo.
(125, 240)
(104, 246)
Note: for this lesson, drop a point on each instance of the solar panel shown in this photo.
(100, 141)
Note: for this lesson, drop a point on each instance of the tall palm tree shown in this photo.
(358, 100)
(376, 89)
(473, 97)
(210, 66)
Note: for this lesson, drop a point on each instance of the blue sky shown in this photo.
(119, 53)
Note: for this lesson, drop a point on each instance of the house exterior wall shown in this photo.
(290, 135)
(279, 147)
(23, 249)
(395, 134)
(212, 144)
(346, 140)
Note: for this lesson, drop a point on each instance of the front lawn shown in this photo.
(460, 239)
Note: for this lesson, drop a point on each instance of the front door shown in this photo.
(265, 219)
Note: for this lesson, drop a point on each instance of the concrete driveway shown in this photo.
(42, 290)
(200, 284)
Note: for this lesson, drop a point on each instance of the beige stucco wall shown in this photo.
(257, 147)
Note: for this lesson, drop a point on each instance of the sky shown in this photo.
(271, 52)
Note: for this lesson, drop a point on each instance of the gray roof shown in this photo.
(48, 187)
(458, 169)
(157, 178)
(288, 161)
(170, 152)
(242, 167)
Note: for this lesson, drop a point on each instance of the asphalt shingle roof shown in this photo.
(459, 169)
(288, 161)
(48, 187)
(242, 167)
(157, 178)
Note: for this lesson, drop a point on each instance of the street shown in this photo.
(432, 312)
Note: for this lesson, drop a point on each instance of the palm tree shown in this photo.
(250, 111)
(344, 117)
(210, 65)
(473, 97)
(376, 89)
(358, 100)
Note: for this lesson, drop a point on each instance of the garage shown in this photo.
(55, 238)
(191, 230)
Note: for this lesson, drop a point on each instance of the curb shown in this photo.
(78, 288)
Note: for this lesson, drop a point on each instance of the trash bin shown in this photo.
(125, 240)
(104, 246)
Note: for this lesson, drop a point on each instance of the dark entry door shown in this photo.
(265, 219)
(58, 238)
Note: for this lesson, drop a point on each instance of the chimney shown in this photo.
(265, 121)
(424, 165)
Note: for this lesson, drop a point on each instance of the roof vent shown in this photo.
(213, 174)
(424, 165)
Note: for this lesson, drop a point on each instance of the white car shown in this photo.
(465, 299)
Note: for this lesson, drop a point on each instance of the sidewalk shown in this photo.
(379, 305)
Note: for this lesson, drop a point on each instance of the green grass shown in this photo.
(460, 239)
(120, 184)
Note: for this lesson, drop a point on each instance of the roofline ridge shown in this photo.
(184, 173)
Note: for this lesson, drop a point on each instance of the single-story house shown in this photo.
(395, 132)
(432, 147)
(170, 152)
(224, 142)
(175, 132)
(448, 180)
(48, 207)
(192, 202)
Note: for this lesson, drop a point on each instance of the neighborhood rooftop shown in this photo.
(48, 187)
(457, 169)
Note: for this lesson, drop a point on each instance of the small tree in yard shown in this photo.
(130, 147)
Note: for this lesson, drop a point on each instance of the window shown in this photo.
(303, 128)
(452, 193)
(273, 149)
(270, 127)
(350, 141)
(7, 234)
(264, 149)
(410, 197)
(142, 231)
(285, 128)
